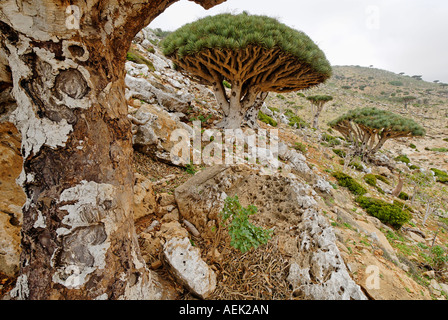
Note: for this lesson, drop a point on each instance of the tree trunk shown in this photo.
(399, 187)
(316, 112)
(67, 67)
(234, 118)
(251, 116)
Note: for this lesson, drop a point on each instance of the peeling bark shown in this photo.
(78, 237)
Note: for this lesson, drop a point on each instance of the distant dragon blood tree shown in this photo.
(318, 102)
(369, 128)
(254, 54)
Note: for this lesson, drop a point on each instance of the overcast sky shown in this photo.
(408, 36)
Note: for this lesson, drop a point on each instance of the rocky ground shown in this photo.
(324, 246)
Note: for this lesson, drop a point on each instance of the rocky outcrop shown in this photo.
(141, 88)
(187, 264)
(152, 135)
(317, 270)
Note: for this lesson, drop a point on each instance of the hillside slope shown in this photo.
(319, 228)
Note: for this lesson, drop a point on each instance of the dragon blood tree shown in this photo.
(255, 54)
(317, 103)
(369, 128)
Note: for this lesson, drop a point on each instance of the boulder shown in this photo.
(152, 135)
(278, 198)
(188, 266)
(141, 88)
(318, 271)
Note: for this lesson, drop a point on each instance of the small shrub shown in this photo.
(412, 146)
(273, 109)
(439, 149)
(402, 205)
(382, 178)
(332, 141)
(243, 234)
(386, 212)
(300, 147)
(340, 153)
(403, 158)
(294, 120)
(438, 256)
(190, 168)
(344, 180)
(370, 179)
(280, 96)
(396, 83)
(357, 165)
(403, 196)
(300, 94)
(266, 119)
(441, 176)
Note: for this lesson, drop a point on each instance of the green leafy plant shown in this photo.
(190, 168)
(243, 234)
(330, 140)
(382, 178)
(370, 179)
(344, 180)
(388, 213)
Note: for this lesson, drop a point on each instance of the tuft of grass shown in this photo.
(134, 56)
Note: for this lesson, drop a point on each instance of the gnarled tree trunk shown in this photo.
(66, 65)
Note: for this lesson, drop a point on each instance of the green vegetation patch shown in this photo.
(386, 212)
(330, 140)
(344, 180)
(396, 83)
(266, 119)
(403, 158)
(294, 120)
(341, 153)
(243, 234)
(441, 176)
(134, 56)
